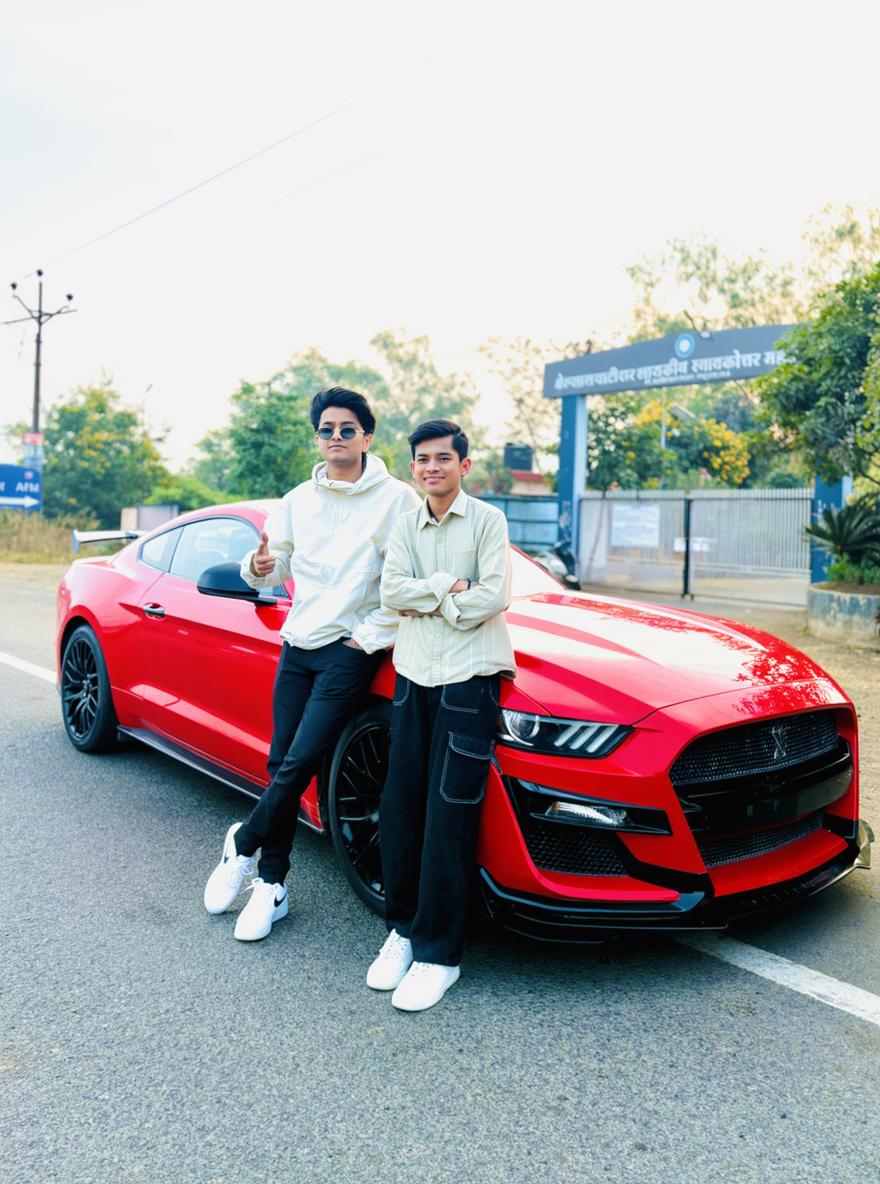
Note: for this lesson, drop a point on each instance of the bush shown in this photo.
(31, 538)
(841, 571)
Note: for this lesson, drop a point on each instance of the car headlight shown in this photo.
(567, 737)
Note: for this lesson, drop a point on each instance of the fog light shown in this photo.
(596, 815)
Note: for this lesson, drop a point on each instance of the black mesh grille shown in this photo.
(756, 748)
(559, 847)
(716, 852)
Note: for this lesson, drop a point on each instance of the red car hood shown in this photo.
(591, 657)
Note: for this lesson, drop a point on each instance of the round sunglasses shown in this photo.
(345, 433)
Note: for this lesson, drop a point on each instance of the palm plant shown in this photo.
(852, 532)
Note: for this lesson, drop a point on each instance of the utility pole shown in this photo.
(40, 318)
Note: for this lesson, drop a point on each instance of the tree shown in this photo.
(99, 457)
(269, 446)
(623, 449)
(520, 364)
(186, 492)
(413, 392)
(827, 394)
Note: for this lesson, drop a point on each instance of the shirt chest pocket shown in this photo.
(464, 563)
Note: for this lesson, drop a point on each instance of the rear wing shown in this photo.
(83, 537)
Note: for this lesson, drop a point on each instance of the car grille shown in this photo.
(733, 849)
(753, 749)
(578, 850)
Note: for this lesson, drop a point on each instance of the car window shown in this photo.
(157, 551)
(210, 541)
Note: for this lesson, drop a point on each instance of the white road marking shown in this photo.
(28, 667)
(789, 974)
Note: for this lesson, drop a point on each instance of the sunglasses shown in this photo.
(346, 433)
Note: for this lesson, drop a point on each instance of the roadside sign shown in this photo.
(20, 488)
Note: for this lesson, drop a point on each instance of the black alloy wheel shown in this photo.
(357, 775)
(86, 703)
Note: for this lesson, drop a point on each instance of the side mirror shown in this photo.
(224, 579)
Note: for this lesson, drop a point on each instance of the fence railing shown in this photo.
(740, 543)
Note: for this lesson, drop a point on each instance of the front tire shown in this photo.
(357, 775)
(86, 702)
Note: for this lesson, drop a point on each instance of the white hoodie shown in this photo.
(330, 537)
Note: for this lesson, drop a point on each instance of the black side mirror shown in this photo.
(224, 579)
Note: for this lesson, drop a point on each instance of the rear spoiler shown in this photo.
(80, 537)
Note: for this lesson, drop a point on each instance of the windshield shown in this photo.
(529, 578)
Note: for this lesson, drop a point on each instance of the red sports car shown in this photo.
(654, 769)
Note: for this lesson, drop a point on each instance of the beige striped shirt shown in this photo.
(462, 634)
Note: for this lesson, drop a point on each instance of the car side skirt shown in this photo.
(203, 764)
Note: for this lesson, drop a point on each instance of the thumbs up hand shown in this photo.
(262, 563)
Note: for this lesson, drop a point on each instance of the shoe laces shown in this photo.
(420, 969)
(394, 943)
(267, 889)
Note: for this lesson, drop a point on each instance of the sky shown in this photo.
(464, 171)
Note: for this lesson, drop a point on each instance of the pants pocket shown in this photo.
(465, 769)
(401, 691)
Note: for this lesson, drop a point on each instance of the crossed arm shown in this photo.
(444, 593)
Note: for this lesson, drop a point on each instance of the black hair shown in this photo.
(338, 396)
(434, 429)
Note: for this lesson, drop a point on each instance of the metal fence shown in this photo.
(744, 544)
(532, 520)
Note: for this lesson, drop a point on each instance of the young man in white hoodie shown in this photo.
(329, 535)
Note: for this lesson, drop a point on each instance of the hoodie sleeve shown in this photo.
(279, 528)
(378, 630)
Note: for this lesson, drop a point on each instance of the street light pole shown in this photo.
(40, 318)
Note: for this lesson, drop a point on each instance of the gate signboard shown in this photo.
(681, 359)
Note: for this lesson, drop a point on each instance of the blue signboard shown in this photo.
(20, 488)
(682, 359)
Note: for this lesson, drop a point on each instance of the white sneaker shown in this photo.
(225, 881)
(391, 964)
(424, 984)
(268, 904)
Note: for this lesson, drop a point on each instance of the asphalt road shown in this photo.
(140, 1042)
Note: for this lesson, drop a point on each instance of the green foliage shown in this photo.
(851, 533)
(99, 457)
(841, 571)
(269, 445)
(826, 394)
(414, 392)
(520, 365)
(490, 475)
(187, 493)
(623, 448)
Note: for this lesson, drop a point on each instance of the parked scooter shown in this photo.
(559, 562)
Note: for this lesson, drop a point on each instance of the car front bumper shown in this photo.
(697, 908)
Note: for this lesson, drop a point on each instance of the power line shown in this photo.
(200, 185)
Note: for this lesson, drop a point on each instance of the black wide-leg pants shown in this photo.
(429, 817)
(316, 694)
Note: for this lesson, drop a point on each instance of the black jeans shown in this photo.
(429, 816)
(316, 693)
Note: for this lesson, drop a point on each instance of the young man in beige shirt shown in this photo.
(447, 572)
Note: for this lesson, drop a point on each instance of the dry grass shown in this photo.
(31, 538)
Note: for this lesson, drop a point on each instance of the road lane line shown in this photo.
(822, 987)
(28, 667)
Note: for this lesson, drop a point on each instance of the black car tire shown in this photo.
(86, 702)
(357, 774)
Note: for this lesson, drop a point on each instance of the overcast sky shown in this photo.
(463, 170)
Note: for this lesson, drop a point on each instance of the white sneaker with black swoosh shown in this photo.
(268, 904)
